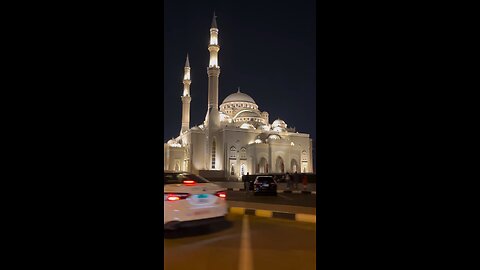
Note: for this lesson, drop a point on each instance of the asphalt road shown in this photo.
(244, 243)
(305, 200)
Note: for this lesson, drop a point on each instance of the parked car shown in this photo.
(264, 185)
(191, 200)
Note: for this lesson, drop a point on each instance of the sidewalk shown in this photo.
(281, 186)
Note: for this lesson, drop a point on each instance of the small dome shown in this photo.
(265, 127)
(279, 123)
(173, 143)
(224, 117)
(247, 126)
(239, 97)
(274, 137)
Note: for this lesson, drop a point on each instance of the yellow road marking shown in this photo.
(263, 213)
(237, 210)
(306, 218)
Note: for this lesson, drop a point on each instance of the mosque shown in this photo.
(236, 137)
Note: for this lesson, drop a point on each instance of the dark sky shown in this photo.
(266, 47)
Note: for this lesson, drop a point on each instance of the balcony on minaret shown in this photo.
(186, 76)
(213, 62)
(213, 55)
(213, 37)
(186, 90)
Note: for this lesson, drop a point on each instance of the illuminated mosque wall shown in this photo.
(235, 137)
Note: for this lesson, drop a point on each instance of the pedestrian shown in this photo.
(304, 181)
(296, 180)
(289, 181)
(246, 182)
(244, 179)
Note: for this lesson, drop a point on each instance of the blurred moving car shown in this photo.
(191, 200)
(264, 185)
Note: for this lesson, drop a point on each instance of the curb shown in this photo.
(279, 191)
(273, 214)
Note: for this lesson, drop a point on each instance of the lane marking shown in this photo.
(245, 261)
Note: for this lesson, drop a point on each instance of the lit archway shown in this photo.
(177, 166)
(294, 165)
(262, 165)
(279, 165)
(243, 169)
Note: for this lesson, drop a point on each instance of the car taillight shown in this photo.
(189, 182)
(221, 194)
(175, 196)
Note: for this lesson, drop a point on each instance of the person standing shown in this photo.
(296, 180)
(289, 181)
(246, 182)
(304, 181)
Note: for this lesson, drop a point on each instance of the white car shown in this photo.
(191, 200)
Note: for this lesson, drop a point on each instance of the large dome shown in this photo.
(239, 97)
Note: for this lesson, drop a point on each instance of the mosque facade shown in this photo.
(236, 137)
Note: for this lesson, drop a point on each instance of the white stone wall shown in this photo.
(197, 152)
(289, 148)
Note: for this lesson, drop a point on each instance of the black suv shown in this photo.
(264, 185)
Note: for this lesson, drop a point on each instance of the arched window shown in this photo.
(214, 146)
(243, 153)
(304, 155)
(233, 152)
(304, 161)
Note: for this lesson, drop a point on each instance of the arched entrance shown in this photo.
(294, 165)
(279, 165)
(262, 165)
(243, 169)
(177, 166)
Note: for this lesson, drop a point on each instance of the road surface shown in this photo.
(243, 242)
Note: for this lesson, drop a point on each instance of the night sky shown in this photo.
(267, 48)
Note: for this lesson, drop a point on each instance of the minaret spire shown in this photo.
(187, 63)
(214, 21)
(186, 98)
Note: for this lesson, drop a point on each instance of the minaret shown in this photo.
(213, 141)
(186, 98)
(213, 70)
